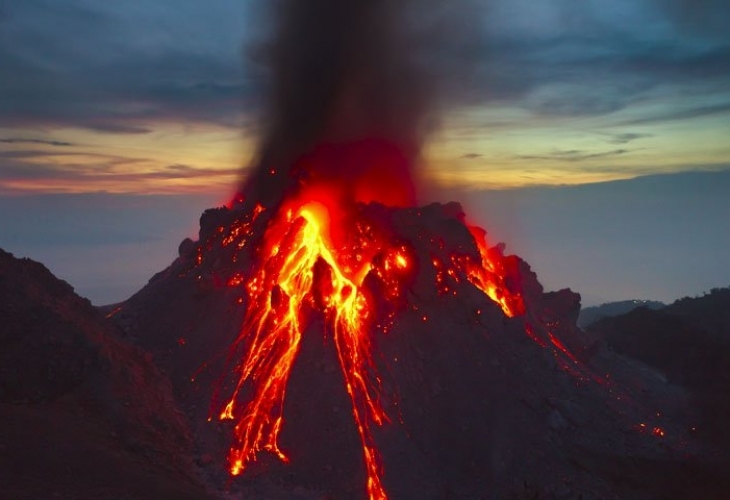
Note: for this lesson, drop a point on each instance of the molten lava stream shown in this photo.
(287, 280)
(299, 271)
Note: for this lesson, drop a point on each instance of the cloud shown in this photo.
(471, 156)
(103, 126)
(28, 165)
(573, 155)
(627, 137)
(682, 114)
(67, 168)
(591, 68)
(122, 67)
(88, 65)
(699, 16)
(63, 170)
(127, 96)
(186, 172)
(20, 140)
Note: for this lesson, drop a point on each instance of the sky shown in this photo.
(121, 121)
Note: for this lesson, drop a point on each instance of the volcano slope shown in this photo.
(477, 404)
(694, 335)
(82, 414)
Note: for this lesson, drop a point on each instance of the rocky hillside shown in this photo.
(82, 413)
(688, 344)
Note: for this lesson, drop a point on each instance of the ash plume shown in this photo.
(341, 71)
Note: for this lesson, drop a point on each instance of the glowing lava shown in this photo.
(299, 271)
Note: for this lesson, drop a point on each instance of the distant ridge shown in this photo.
(592, 314)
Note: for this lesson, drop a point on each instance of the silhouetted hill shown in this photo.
(592, 314)
(711, 312)
(82, 414)
(689, 343)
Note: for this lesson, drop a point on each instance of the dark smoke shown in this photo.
(341, 68)
(340, 71)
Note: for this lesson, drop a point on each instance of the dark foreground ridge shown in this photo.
(82, 413)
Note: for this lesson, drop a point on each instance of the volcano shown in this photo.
(326, 346)
(330, 338)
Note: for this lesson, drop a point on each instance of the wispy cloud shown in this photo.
(67, 159)
(20, 140)
(681, 114)
(627, 137)
(573, 155)
(67, 171)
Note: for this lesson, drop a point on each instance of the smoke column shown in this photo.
(347, 88)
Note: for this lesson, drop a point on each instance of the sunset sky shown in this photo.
(154, 103)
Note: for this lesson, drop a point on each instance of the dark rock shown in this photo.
(556, 421)
(205, 460)
(187, 249)
(70, 388)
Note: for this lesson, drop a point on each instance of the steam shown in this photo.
(338, 71)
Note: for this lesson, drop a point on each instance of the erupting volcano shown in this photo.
(315, 211)
(372, 285)
(334, 287)
(331, 334)
(321, 252)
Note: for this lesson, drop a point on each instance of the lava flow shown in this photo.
(320, 256)
(299, 272)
